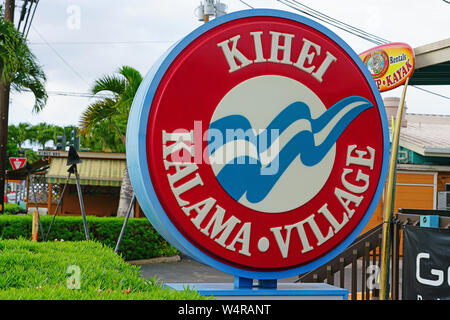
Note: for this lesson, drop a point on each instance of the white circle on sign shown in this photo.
(263, 244)
(261, 101)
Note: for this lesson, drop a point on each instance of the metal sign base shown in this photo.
(265, 290)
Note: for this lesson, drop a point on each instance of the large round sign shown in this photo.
(258, 144)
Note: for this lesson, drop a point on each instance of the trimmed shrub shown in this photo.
(12, 208)
(140, 239)
(86, 270)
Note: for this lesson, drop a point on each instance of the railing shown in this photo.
(362, 253)
(362, 259)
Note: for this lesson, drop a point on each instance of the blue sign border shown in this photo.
(137, 153)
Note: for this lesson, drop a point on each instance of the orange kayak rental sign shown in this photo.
(390, 64)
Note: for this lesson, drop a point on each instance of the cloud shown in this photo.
(95, 51)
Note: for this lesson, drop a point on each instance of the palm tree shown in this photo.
(13, 133)
(44, 133)
(57, 131)
(17, 135)
(18, 64)
(103, 137)
(23, 134)
(112, 110)
(19, 70)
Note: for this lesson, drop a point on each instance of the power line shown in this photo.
(75, 94)
(78, 94)
(32, 17)
(101, 42)
(25, 12)
(290, 3)
(370, 35)
(98, 95)
(428, 91)
(60, 57)
(247, 4)
(345, 27)
(334, 22)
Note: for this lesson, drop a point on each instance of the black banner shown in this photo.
(426, 263)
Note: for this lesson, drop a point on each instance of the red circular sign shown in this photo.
(265, 145)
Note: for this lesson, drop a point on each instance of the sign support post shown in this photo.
(391, 65)
(389, 204)
(35, 226)
(130, 207)
(73, 169)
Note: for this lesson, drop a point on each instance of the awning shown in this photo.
(93, 172)
(432, 65)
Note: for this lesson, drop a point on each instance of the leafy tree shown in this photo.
(110, 113)
(12, 135)
(57, 131)
(114, 109)
(18, 69)
(11, 151)
(43, 133)
(102, 138)
(20, 133)
(17, 135)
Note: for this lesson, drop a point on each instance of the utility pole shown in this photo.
(210, 8)
(4, 108)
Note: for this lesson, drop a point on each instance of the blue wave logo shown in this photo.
(247, 174)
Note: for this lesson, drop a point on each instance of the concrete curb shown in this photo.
(155, 260)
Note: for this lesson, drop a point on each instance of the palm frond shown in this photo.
(131, 74)
(113, 84)
(20, 67)
(97, 112)
(112, 111)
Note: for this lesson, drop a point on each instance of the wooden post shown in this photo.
(49, 199)
(35, 226)
(28, 193)
(388, 208)
(137, 209)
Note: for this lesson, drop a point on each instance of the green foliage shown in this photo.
(103, 138)
(12, 208)
(39, 135)
(21, 133)
(110, 113)
(43, 132)
(11, 151)
(19, 64)
(33, 270)
(140, 239)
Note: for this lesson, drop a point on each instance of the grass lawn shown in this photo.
(84, 270)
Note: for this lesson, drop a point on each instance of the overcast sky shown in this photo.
(77, 41)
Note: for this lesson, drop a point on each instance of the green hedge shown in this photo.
(11, 208)
(38, 270)
(140, 239)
